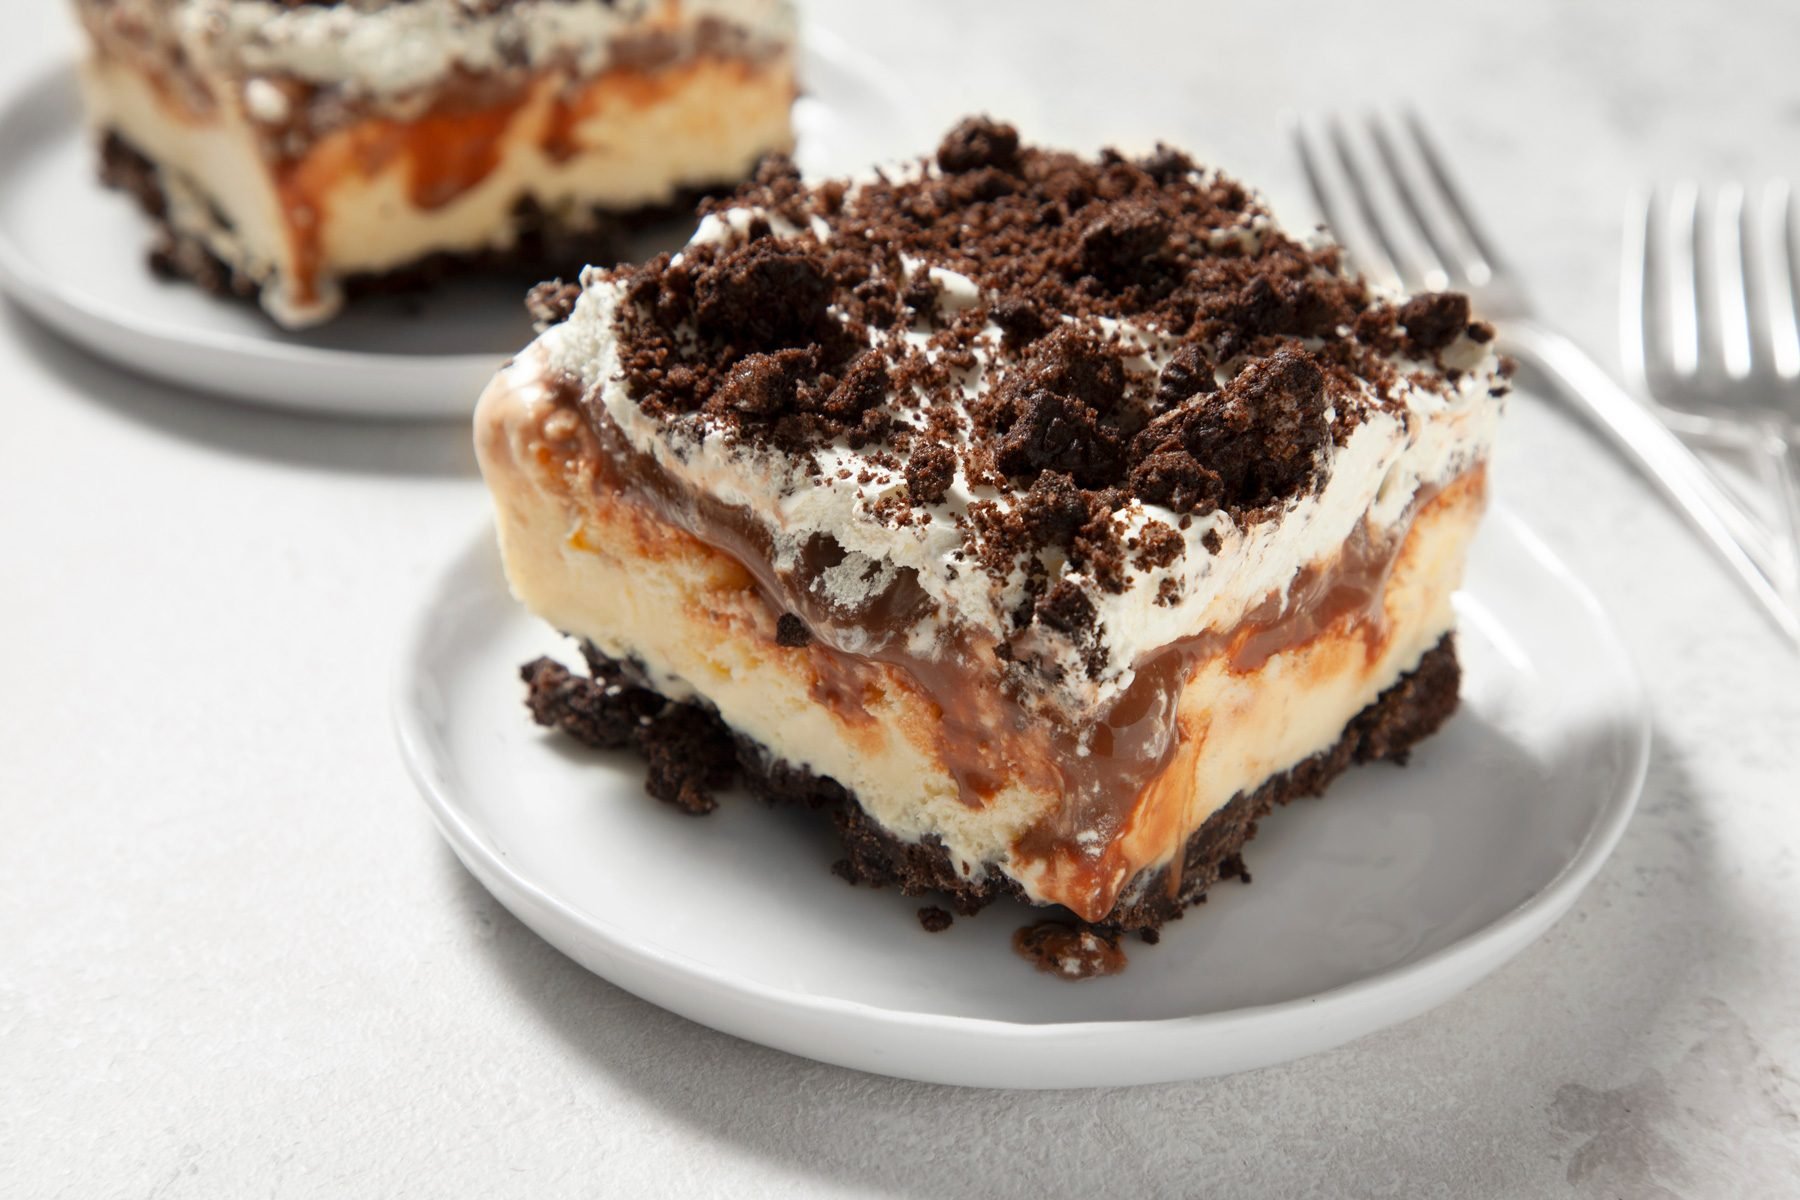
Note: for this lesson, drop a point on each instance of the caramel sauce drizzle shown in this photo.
(445, 153)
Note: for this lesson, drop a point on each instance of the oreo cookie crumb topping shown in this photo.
(1138, 332)
(791, 631)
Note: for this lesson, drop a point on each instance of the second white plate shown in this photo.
(1401, 888)
(72, 253)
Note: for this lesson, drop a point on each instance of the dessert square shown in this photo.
(1046, 520)
(299, 151)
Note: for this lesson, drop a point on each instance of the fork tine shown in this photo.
(1434, 255)
(1732, 281)
(1361, 181)
(1335, 207)
(1480, 261)
(1315, 182)
(1682, 285)
(1780, 323)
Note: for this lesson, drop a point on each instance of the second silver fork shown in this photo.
(1709, 327)
(1390, 200)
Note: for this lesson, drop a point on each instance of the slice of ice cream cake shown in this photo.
(1047, 519)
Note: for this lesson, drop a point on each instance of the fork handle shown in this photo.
(1778, 450)
(1660, 455)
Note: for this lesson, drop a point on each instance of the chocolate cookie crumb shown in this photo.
(791, 631)
(551, 303)
(935, 919)
(1174, 479)
(1125, 242)
(1019, 320)
(1262, 433)
(762, 296)
(1435, 319)
(1166, 165)
(688, 752)
(1188, 373)
(929, 473)
(1070, 950)
(1158, 545)
(921, 296)
(979, 142)
(1066, 608)
(689, 756)
(604, 713)
(1046, 431)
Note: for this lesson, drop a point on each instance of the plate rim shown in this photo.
(1514, 929)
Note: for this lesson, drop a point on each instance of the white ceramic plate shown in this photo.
(72, 253)
(1404, 886)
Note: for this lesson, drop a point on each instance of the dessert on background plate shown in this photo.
(300, 153)
(1045, 520)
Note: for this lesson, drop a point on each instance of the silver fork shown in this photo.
(1708, 325)
(1390, 201)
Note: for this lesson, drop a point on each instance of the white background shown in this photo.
(235, 959)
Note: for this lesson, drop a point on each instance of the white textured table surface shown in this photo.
(235, 959)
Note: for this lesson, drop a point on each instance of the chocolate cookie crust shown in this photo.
(691, 753)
